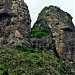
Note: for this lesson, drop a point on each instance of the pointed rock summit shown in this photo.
(15, 22)
(62, 32)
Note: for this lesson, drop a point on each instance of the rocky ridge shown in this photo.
(15, 22)
(62, 30)
(53, 33)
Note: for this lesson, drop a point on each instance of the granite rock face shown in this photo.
(15, 22)
(62, 31)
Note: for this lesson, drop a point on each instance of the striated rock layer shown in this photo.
(15, 22)
(62, 31)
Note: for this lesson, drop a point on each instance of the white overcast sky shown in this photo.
(35, 6)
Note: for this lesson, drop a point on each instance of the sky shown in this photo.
(35, 7)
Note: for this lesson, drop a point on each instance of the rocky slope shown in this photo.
(62, 32)
(15, 22)
(50, 49)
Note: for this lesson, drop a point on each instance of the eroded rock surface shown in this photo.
(15, 22)
(62, 31)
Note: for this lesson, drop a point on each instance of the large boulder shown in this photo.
(15, 22)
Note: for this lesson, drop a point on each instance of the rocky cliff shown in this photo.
(62, 31)
(52, 36)
(15, 22)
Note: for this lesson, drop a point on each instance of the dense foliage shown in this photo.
(39, 32)
(22, 60)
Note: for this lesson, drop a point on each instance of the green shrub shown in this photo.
(40, 32)
(16, 62)
(24, 48)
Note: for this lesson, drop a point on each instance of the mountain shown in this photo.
(46, 49)
(58, 32)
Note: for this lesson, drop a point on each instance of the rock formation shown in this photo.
(15, 22)
(62, 31)
(52, 33)
(55, 24)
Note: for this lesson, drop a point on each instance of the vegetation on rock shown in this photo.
(22, 60)
(39, 32)
(46, 36)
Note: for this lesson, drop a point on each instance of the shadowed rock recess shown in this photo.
(15, 22)
(46, 49)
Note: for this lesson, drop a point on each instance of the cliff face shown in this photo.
(15, 22)
(52, 33)
(62, 31)
(54, 28)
